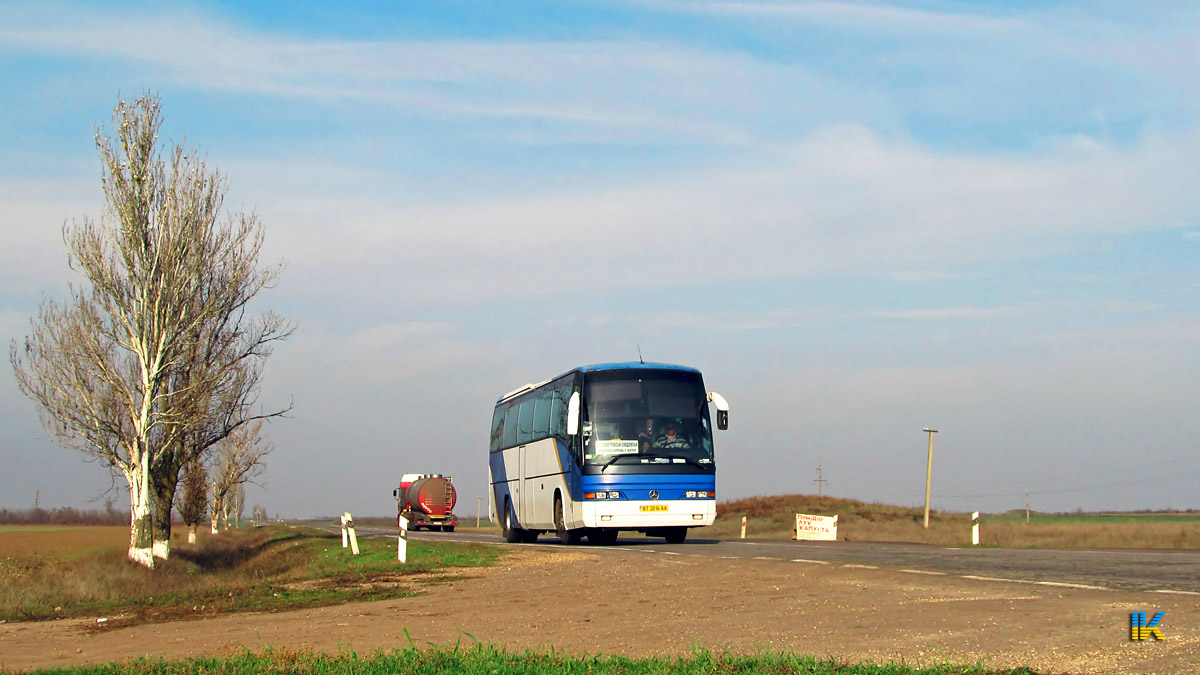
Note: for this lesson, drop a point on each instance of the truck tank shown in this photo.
(427, 500)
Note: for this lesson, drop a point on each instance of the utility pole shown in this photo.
(1026, 508)
(928, 472)
(820, 482)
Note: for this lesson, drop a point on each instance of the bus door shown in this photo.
(524, 499)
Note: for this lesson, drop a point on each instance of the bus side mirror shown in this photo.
(396, 494)
(722, 409)
(573, 414)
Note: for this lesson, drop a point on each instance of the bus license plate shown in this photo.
(654, 507)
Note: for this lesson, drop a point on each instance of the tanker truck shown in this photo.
(426, 500)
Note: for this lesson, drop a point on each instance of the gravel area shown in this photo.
(639, 604)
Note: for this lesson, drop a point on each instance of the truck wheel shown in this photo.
(447, 528)
(676, 535)
(568, 537)
(511, 534)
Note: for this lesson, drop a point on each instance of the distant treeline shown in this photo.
(64, 516)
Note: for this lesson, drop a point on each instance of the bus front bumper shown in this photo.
(639, 515)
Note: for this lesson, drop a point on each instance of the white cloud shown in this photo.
(859, 16)
(596, 90)
(843, 202)
(34, 257)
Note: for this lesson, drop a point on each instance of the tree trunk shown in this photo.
(191, 534)
(141, 535)
(164, 496)
(216, 513)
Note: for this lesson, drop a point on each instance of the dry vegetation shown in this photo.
(64, 516)
(249, 569)
(774, 517)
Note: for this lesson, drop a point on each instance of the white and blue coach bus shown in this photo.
(605, 448)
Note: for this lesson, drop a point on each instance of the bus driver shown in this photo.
(671, 438)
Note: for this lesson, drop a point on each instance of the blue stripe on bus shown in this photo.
(638, 486)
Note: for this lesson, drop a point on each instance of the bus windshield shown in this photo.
(646, 417)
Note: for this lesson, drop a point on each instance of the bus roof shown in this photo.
(634, 365)
(600, 367)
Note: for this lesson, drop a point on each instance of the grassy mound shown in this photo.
(773, 517)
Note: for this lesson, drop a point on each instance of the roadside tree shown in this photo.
(193, 497)
(124, 370)
(239, 461)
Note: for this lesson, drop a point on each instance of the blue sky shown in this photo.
(857, 219)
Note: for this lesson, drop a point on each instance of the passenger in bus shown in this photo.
(671, 438)
(646, 436)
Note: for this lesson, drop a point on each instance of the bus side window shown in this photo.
(541, 415)
(497, 429)
(525, 422)
(510, 426)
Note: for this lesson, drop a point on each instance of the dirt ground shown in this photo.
(640, 604)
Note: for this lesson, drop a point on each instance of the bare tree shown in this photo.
(193, 499)
(160, 276)
(237, 504)
(239, 461)
(259, 514)
(218, 382)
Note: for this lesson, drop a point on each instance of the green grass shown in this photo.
(262, 569)
(481, 660)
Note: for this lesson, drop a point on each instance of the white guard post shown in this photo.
(348, 532)
(816, 528)
(975, 528)
(402, 545)
(743, 527)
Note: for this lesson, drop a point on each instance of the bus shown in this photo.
(603, 449)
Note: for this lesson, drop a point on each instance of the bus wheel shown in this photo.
(568, 537)
(676, 535)
(511, 534)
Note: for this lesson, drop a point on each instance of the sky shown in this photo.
(857, 219)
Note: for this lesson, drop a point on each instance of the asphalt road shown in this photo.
(1162, 571)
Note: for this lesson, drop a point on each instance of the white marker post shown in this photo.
(348, 532)
(402, 545)
(743, 527)
(975, 528)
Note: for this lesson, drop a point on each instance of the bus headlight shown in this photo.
(614, 495)
(690, 494)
